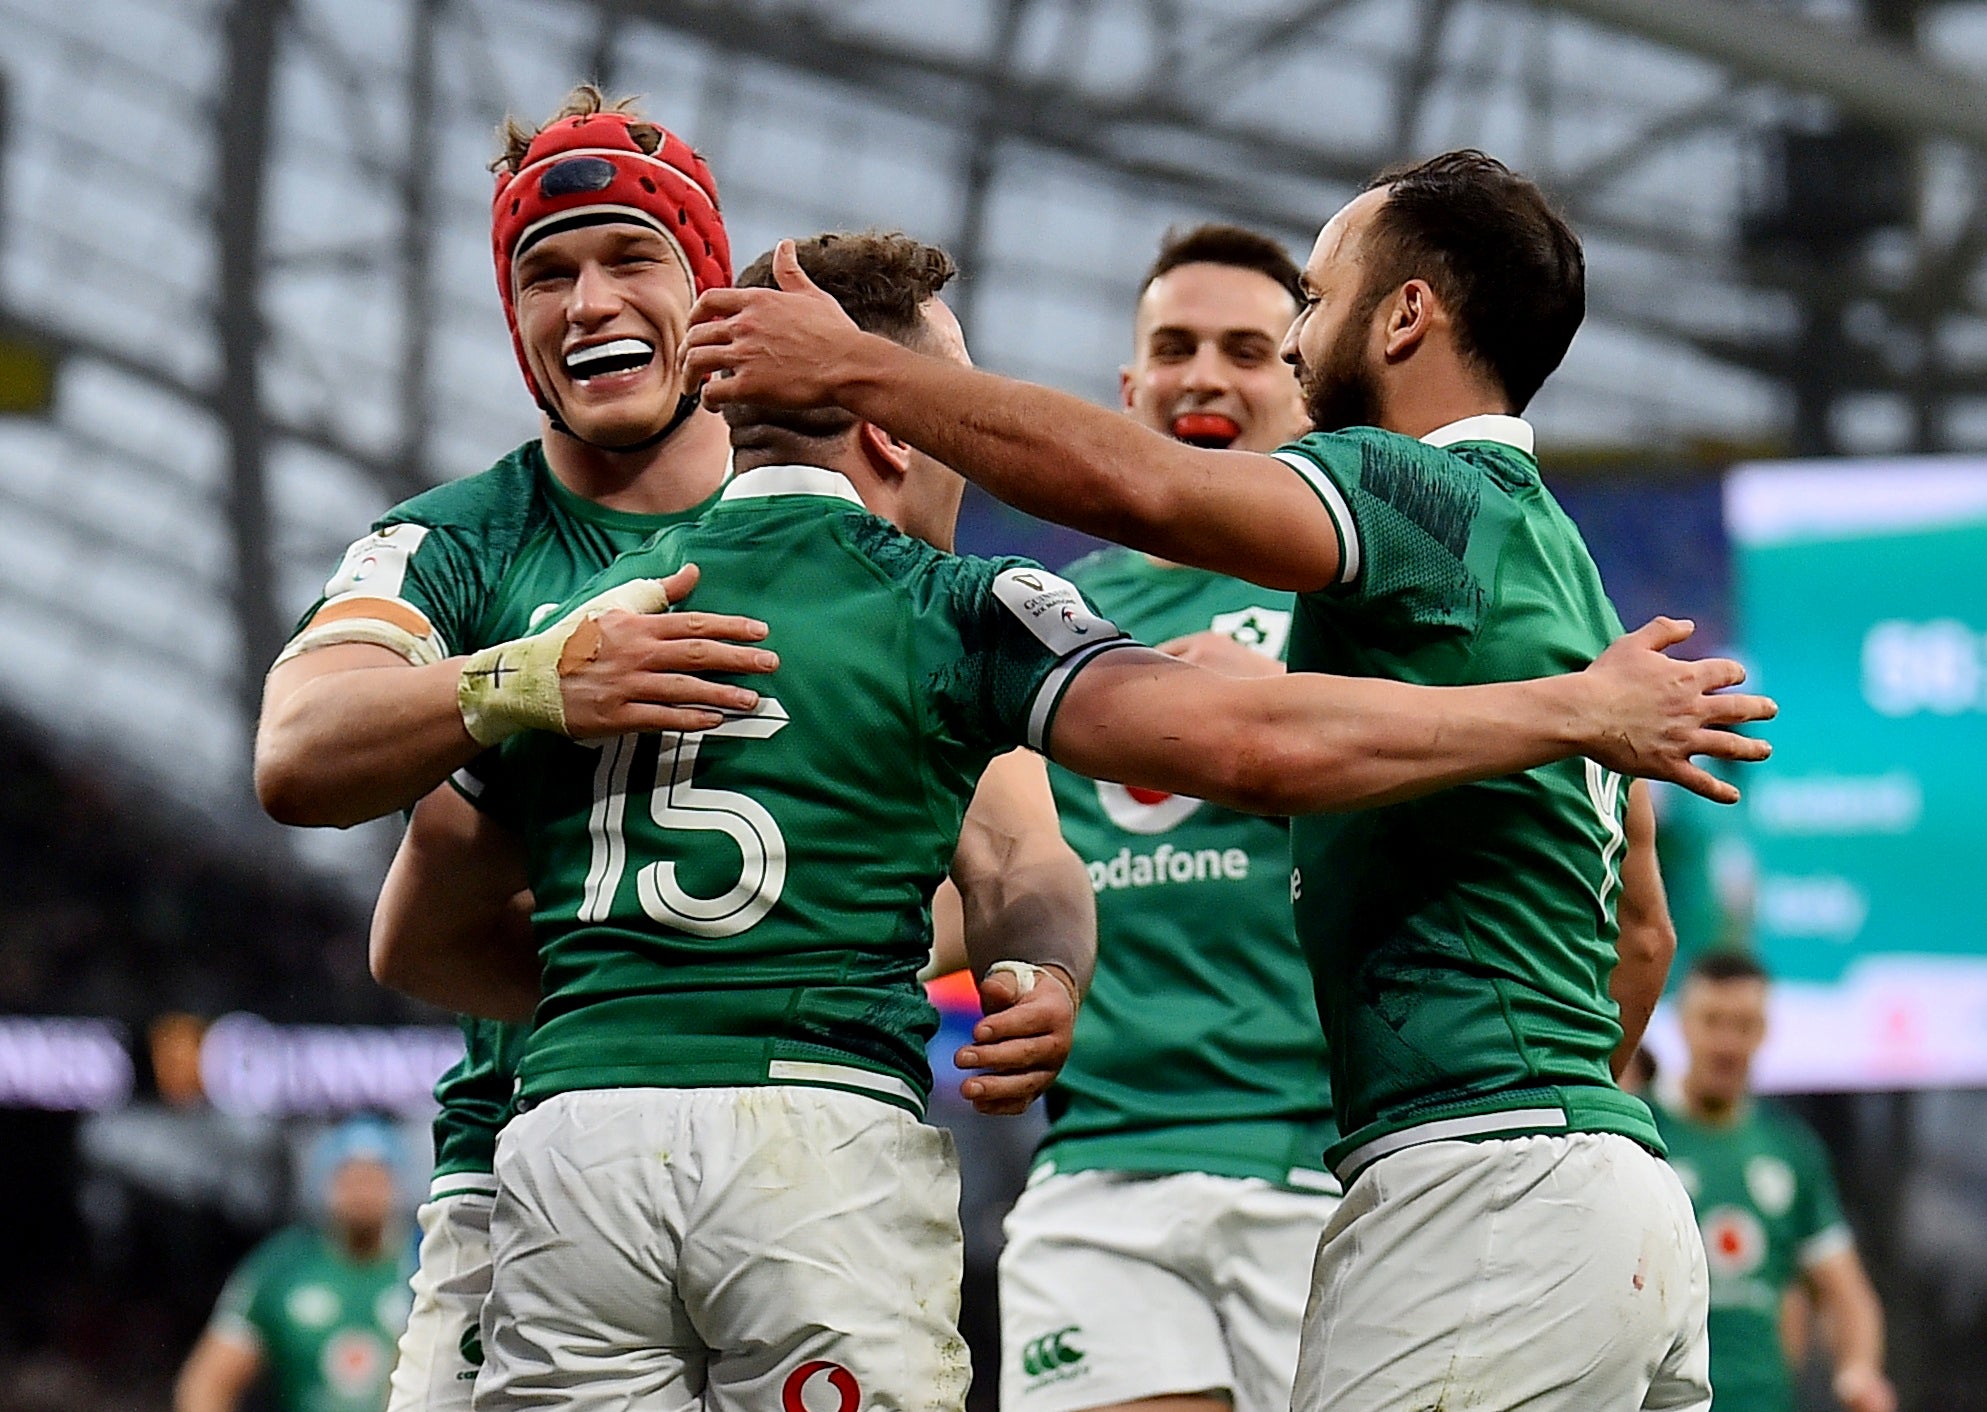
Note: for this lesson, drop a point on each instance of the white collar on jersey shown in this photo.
(1489, 426)
(790, 480)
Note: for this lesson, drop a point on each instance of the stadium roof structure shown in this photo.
(249, 237)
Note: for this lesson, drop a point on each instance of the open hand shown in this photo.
(631, 668)
(1655, 712)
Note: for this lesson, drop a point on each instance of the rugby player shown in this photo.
(1766, 1204)
(604, 227)
(720, 1188)
(1509, 1235)
(314, 1309)
(1160, 1255)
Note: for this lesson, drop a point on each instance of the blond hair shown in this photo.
(584, 101)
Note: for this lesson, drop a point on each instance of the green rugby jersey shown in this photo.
(1461, 943)
(324, 1323)
(1766, 1204)
(1198, 1048)
(751, 904)
(451, 571)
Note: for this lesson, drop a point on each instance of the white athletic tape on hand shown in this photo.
(1024, 973)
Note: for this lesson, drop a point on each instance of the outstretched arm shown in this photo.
(453, 921)
(1026, 897)
(1046, 452)
(1305, 743)
(1648, 940)
(1852, 1326)
(352, 730)
(217, 1374)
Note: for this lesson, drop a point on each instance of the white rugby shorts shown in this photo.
(1118, 1286)
(440, 1350)
(1549, 1273)
(761, 1248)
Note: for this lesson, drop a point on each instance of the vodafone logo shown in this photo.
(1144, 810)
(1734, 1242)
(793, 1395)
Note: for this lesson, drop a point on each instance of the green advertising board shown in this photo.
(1862, 605)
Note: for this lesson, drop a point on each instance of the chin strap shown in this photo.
(685, 405)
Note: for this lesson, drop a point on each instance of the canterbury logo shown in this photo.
(1050, 1352)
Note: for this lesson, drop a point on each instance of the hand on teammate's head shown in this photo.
(778, 348)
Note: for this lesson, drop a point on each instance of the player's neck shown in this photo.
(1415, 407)
(361, 1243)
(682, 470)
(1704, 1106)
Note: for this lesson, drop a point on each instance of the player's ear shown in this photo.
(1409, 318)
(1124, 388)
(890, 457)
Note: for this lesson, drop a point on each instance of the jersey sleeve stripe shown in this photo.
(1049, 695)
(1829, 1241)
(1336, 505)
(462, 1184)
(395, 611)
(236, 1330)
(380, 622)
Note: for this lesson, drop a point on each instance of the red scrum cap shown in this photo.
(590, 170)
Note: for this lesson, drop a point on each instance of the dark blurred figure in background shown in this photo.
(315, 1309)
(1766, 1202)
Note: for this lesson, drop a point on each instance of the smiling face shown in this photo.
(602, 311)
(1205, 367)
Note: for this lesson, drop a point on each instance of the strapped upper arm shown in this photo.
(407, 588)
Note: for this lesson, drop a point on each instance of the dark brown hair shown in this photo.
(1503, 262)
(1726, 966)
(1238, 246)
(584, 101)
(882, 279)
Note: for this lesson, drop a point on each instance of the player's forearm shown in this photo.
(1852, 1325)
(453, 922)
(1040, 908)
(1333, 744)
(1636, 983)
(1647, 943)
(339, 748)
(492, 973)
(1055, 456)
(216, 1376)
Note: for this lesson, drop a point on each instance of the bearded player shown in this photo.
(1509, 1235)
(604, 227)
(1160, 1254)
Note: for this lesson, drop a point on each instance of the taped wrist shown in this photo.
(515, 685)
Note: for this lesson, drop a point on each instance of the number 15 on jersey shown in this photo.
(677, 803)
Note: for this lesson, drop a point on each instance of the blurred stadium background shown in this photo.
(246, 303)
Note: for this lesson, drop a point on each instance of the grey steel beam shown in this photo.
(253, 30)
(417, 240)
(982, 156)
(1881, 83)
